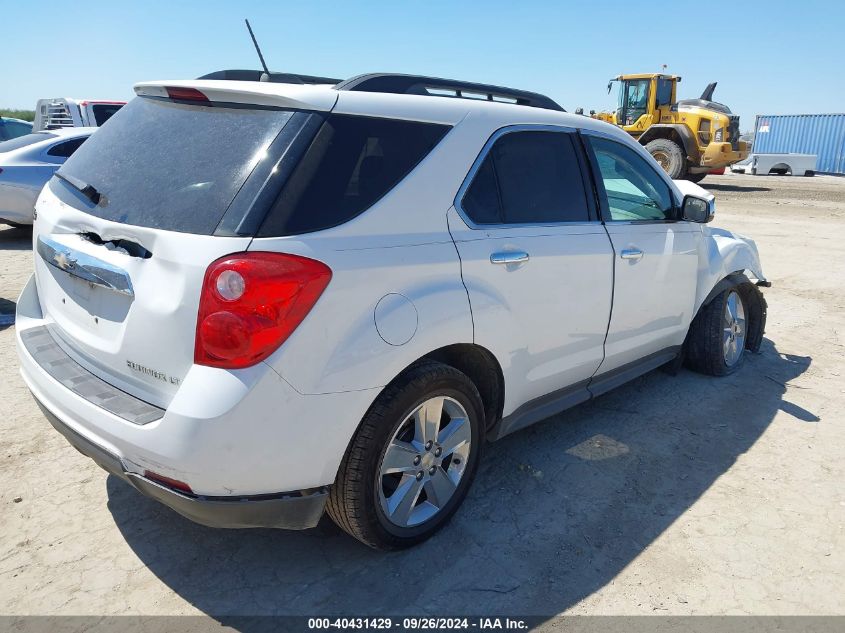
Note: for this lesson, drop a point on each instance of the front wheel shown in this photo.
(412, 460)
(717, 337)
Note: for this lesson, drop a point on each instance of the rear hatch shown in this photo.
(129, 225)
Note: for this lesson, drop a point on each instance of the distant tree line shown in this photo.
(26, 115)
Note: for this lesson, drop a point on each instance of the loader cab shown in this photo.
(643, 100)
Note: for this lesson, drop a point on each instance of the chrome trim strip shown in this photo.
(85, 267)
(522, 127)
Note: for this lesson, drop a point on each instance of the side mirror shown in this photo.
(697, 209)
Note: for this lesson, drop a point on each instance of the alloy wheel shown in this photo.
(424, 462)
(733, 339)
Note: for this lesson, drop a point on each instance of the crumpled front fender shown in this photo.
(725, 253)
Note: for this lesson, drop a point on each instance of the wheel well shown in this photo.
(483, 369)
(781, 168)
(755, 303)
(671, 133)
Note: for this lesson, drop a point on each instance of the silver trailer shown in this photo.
(777, 164)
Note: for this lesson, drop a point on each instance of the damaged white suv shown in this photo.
(258, 301)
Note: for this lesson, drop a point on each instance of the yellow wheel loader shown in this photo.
(689, 138)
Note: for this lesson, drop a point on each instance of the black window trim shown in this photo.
(602, 194)
(592, 211)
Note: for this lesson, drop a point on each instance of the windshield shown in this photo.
(23, 141)
(172, 166)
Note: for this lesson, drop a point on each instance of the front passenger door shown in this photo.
(656, 257)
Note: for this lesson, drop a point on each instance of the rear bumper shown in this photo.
(236, 438)
(290, 510)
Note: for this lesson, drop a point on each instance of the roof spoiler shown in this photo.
(222, 93)
(272, 77)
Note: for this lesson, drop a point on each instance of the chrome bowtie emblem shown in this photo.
(64, 260)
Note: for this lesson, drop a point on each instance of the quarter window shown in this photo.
(634, 191)
(530, 177)
(66, 149)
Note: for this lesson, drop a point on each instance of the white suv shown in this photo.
(256, 301)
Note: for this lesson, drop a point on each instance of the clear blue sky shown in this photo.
(768, 57)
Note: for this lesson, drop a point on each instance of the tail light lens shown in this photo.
(251, 303)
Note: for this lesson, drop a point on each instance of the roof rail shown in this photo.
(435, 86)
(274, 77)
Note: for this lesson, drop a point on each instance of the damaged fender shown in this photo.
(732, 260)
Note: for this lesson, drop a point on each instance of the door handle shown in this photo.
(509, 257)
(632, 254)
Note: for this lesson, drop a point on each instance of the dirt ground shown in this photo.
(671, 495)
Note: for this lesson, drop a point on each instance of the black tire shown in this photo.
(670, 156)
(696, 178)
(354, 499)
(705, 343)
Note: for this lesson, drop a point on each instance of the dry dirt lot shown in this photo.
(672, 495)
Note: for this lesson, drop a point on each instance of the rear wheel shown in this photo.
(669, 156)
(412, 460)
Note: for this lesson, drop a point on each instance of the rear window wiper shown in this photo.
(89, 191)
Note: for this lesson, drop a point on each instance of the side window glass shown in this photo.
(481, 201)
(66, 149)
(664, 92)
(634, 190)
(531, 177)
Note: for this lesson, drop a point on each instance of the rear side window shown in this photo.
(172, 166)
(530, 177)
(66, 149)
(352, 162)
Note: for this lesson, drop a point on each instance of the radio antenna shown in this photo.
(266, 75)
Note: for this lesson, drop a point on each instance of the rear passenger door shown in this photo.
(536, 261)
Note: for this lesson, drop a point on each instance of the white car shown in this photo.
(27, 163)
(256, 301)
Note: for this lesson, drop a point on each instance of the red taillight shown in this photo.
(168, 482)
(251, 303)
(185, 94)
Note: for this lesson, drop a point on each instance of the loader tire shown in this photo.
(669, 156)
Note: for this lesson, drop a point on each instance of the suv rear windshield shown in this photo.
(173, 166)
(179, 167)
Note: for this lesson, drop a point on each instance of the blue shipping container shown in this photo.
(819, 134)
